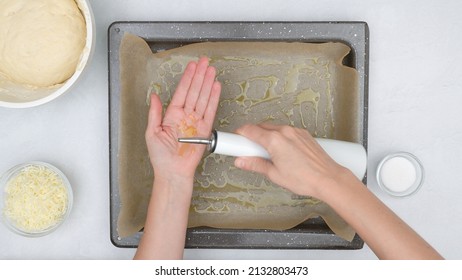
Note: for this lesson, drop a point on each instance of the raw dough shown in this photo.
(40, 41)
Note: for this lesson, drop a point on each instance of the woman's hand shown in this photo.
(298, 162)
(191, 112)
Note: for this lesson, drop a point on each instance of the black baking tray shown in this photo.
(313, 233)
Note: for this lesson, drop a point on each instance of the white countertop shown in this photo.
(415, 93)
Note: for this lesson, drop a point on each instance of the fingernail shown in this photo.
(239, 130)
(239, 163)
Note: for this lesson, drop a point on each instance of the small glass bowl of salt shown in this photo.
(400, 174)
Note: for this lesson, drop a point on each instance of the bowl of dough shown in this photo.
(45, 45)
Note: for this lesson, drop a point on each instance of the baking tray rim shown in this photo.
(194, 235)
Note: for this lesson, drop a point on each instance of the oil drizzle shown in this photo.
(254, 89)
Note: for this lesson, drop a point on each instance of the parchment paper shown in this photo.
(300, 84)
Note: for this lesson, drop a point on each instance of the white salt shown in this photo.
(398, 174)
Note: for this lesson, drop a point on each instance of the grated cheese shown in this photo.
(36, 199)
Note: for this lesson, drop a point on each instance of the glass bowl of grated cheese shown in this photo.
(36, 198)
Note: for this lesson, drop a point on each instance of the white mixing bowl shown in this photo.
(14, 95)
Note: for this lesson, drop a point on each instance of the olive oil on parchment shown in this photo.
(255, 90)
(299, 84)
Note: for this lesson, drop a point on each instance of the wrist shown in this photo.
(174, 186)
(336, 185)
(173, 173)
(173, 179)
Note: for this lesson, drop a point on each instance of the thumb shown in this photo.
(155, 115)
(255, 164)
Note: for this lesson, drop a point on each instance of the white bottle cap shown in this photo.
(400, 174)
